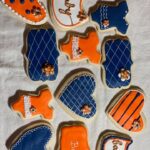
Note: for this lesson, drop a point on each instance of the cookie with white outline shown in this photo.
(35, 135)
(76, 94)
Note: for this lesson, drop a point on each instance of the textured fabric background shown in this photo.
(13, 77)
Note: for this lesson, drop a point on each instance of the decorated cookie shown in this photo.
(110, 15)
(72, 136)
(33, 136)
(30, 11)
(75, 94)
(41, 54)
(67, 14)
(32, 104)
(117, 61)
(113, 140)
(125, 110)
(81, 46)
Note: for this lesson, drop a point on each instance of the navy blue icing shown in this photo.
(118, 56)
(33, 139)
(113, 137)
(42, 49)
(78, 93)
(114, 14)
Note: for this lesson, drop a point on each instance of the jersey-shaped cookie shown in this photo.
(72, 136)
(125, 110)
(117, 62)
(30, 11)
(41, 54)
(67, 14)
(33, 136)
(113, 140)
(110, 15)
(30, 105)
(81, 46)
(75, 94)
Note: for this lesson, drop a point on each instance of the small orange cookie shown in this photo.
(30, 10)
(31, 105)
(72, 136)
(81, 46)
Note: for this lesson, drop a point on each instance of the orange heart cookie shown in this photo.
(80, 46)
(72, 136)
(31, 11)
(30, 105)
(125, 109)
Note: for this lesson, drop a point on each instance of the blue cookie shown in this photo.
(108, 16)
(42, 54)
(34, 136)
(117, 61)
(75, 93)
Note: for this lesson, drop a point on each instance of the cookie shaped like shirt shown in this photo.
(109, 16)
(42, 50)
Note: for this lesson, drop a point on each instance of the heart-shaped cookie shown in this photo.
(30, 11)
(33, 136)
(32, 104)
(113, 140)
(75, 93)
(110, 15)
(41, 53)
(126, 110)
(81, 46)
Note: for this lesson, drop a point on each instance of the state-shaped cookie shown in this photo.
(116, 61)
(110, 15)
(67, 14)
(75, 94)
(81, 46)
(30, 11)
(125, 110)
(113, 140)
(33, 136)
(41, 53)
(72, 136)
(32, 104)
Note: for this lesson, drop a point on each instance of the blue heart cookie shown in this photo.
(34, 136)
(42, 54)
(108, 16)
(117, 61)
(75, 93)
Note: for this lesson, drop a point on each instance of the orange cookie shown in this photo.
(33, 104)
(125, 109)
(72, 136)
(31, 11)
(80, 46)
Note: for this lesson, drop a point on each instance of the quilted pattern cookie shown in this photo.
(125, 110)
(72, 136)
(110, 139)
(33, 136)
(67, 14)
(41, 54)
(75, 94)
(110, 15)
(33, 104)
(117, 61)
(80, 46)
(30, 11)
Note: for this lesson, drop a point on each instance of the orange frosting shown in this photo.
(40, 103)
(88, 45)
(74, 138)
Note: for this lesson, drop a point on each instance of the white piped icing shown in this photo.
(27, 106)
(75, 47)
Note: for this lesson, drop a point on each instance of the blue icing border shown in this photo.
(42, 48)
(78, 93)
(115, 15)
(33, 139)
(118, 56)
